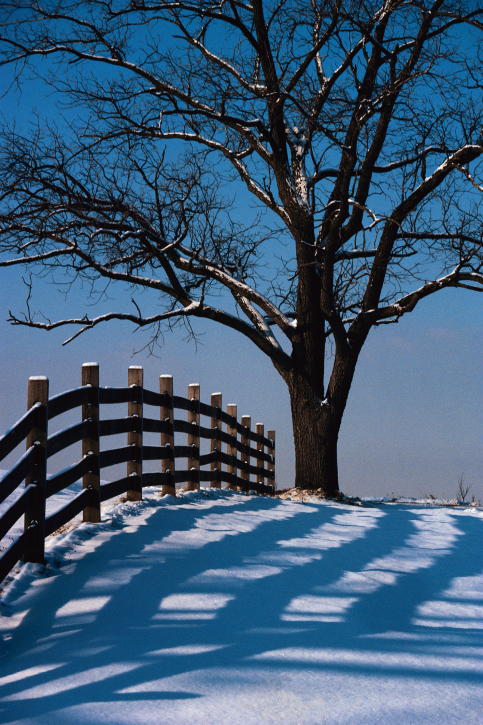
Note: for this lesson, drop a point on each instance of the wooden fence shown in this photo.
(233, 467)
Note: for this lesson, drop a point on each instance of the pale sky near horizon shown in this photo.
(412, 425)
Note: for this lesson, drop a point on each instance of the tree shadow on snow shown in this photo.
(243, 583)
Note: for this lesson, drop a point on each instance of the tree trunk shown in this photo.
(315, 433)
(316, 425)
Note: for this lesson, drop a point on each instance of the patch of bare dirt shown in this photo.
(307, 494)
(73, 524)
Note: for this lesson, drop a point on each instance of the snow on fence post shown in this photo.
(231, 447)
(166, 414)
(215, 444)
(259, 429)
(271, 452)
(90, 446)
(193, 438)
(135, 437)
(34, 519)
(246, 422)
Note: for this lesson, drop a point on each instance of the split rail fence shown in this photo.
(232, 467)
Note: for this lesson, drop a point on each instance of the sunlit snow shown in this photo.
(216, 608)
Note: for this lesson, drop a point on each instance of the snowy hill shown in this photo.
(220, 608)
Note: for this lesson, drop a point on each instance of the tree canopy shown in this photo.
(355, 129)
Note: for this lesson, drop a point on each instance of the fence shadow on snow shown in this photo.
(232, 467)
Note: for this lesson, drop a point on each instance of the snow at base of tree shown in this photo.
(221, 608)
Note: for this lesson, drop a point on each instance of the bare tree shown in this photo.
(463, 488)
(356, 127)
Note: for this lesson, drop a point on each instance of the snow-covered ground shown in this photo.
(221, 608)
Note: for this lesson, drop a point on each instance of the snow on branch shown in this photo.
(88, 323)
(242, 290)
(466, 173)
(257, 319)
(35, 257)
(462, 156)
(407, 303)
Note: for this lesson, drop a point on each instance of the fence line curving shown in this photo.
(233, 467)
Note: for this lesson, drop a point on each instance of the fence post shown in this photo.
(38, 392)
(246, 422)
(259, 429)
(135, 437)
(193, 438)
(90, 446)
(231, 448)
(215, 442)
(271, 466)
(166, 413)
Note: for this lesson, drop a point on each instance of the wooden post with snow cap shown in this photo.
(259, 430)
(271, 465)
(90, 445)
(135, 436)
(215, 443)
(231, 448)
(194, 437)
(246, 422)
(166, 414)
(34, 519)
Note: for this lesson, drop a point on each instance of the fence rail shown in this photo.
(233, 467)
